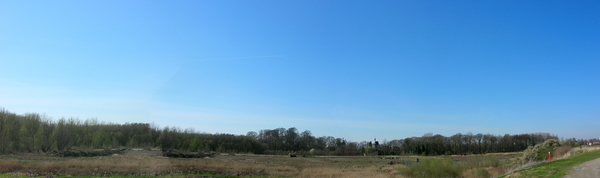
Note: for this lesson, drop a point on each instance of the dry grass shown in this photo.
(141, 164)
(565, 154)
(473, 166)
(561, 152)
(94, 167)
(519, 167)
(371, 171)
(222, 165)
(499, 154)
(585, 149)
(10, 166)
(498, 171)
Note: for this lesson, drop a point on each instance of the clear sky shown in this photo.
(350, 69)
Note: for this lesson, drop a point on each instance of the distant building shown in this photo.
(373, 148)
(590, 143)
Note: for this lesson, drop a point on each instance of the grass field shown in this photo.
(559, 168)
(150, 163)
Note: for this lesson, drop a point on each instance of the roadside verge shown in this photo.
(558, 168)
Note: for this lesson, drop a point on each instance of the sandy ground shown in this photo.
(587, 169)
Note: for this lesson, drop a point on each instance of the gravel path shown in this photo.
(587, 169)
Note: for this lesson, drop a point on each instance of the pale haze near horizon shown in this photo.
(352, 69)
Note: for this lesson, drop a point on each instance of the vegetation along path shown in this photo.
(560, 168)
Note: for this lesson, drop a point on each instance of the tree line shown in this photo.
(33, 132)
(289, 140)
(462, 144)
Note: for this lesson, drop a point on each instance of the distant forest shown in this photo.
(37, 133)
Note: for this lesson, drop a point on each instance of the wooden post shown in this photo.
(549, 157)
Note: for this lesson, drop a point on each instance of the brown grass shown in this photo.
(94, 167)
(371, 171)
(521, 166)
(10, 166)
(498, 171)
(222, 165)
(585, 149)
(515, 175)
(237, 165)
(561, 152)
(566, 151)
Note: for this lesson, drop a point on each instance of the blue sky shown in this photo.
(351, 69)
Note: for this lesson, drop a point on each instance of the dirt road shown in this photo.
(587, 169)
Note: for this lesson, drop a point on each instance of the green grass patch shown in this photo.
(11, 175)
(108, 176)
(434, 168)
(219, 176)
(558, 168)
(168, 176)
(450, 167)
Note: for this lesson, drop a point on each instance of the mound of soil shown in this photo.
(176, 154)
(143, 153)
(87, 153)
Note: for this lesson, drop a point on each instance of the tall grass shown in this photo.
(434, 168)
(475, 166)
(221, 166)
(561, 152)
(585, 149)
(10, 166)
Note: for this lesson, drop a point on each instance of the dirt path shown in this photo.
(587, 169)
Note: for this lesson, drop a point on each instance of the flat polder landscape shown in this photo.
(139, 162)
(311, 88)
(146, 162)
(34, 146)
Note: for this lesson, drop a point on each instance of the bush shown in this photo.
(539, 151)
(481, 172)
(434, 168)
(543, 153)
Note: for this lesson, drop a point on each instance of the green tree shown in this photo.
(99, 139)
(44, 140)
(30, 124)
(63, 135)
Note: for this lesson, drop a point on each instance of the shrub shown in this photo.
(481, 172)
(494, 161)
(539, 151)
(434, 168)
(543, 153)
